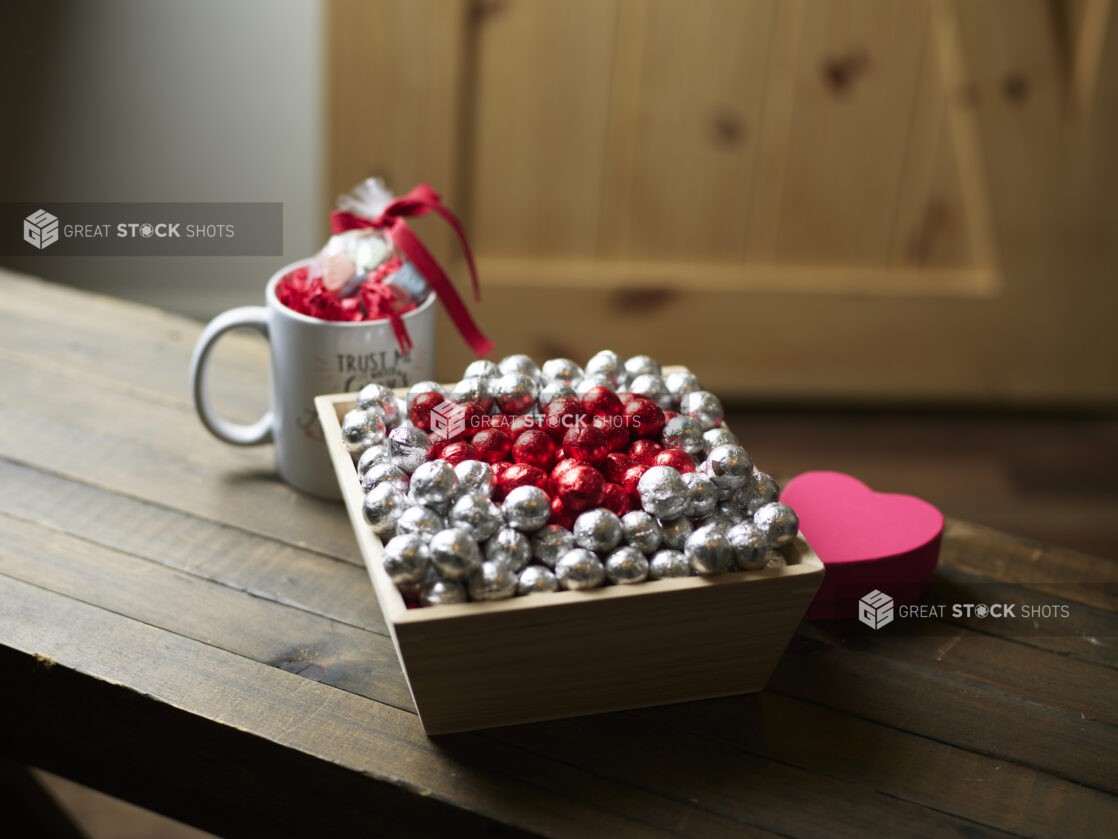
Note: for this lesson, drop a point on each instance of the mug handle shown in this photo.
(253, 317)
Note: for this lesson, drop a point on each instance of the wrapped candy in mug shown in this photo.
(360, 311)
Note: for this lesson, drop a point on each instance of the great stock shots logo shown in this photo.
(142, 229)
(875, 609)
(40, 229)
(448, 419)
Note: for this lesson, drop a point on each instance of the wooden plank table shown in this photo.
(180, 629)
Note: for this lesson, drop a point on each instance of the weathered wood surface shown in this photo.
(179, 628)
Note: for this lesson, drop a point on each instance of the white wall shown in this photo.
(169, 100)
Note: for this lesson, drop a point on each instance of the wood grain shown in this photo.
(541, 101)
(857, 67)
(179, 629)
(672, 103)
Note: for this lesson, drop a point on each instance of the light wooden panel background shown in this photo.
(807, 199)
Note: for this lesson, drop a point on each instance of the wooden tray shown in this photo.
(561, 654)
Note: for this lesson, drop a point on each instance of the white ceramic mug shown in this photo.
(310, 357)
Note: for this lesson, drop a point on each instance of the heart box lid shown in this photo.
(867, 541)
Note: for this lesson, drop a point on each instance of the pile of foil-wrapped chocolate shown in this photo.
(523, 478)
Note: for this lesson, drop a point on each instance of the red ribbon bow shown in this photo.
(420, 201)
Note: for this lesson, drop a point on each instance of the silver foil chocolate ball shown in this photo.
(455, 553)
(759, 489)
(626, 565)
(730, 509)
(718, 520)
(720, 436)
(550, 542)
(729, 467)
(441, 592)
(383, 398)
(674, 532)
(433, 484)
(684, 433)
(481, 369)
(704, 406)
(641, 365)
(381, 472)
(421, 520)
(668, 563)
(775, 559)
(662, 492)
(527, 508)
(561, 370)
(708, 550)
(598, 530)
(749, 545)
(702, 496)
(555, 390)
(408, 447)
(682, 382)
(492, 581)
(641, 531)
(474, 477)
(515, 393)
(383, 506)
(361, 429)
(371, 456)
(477, 515)
(419, 388)
(778, 522)
(509, 546)
(654, 388)
(536, 578)
(473, 390)
(589, 382)
(607, 364)
(521, 365)
(580, 569)
(406, 558)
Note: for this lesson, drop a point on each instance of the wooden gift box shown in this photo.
(544, 656)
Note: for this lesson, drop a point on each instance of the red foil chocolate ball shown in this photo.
(500, 421)
(632, 477)
(677, 458)
(617, 434)
(601, 401)
(615, 465)
(536, 448)
(561, 515)
(519, 475)
(617, 500)
(419, 411)
(580, 487)
(562, 415)
(471, 416)
(455, 453)
(499, 468)
(518, 425)
(644, 451)
(562, 466)
(644, 417)
(586, 443)
(492, 444)
(436, 450)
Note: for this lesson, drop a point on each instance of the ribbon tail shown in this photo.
(452, 220)
(413, 249)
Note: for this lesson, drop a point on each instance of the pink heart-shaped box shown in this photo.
(867, 540)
